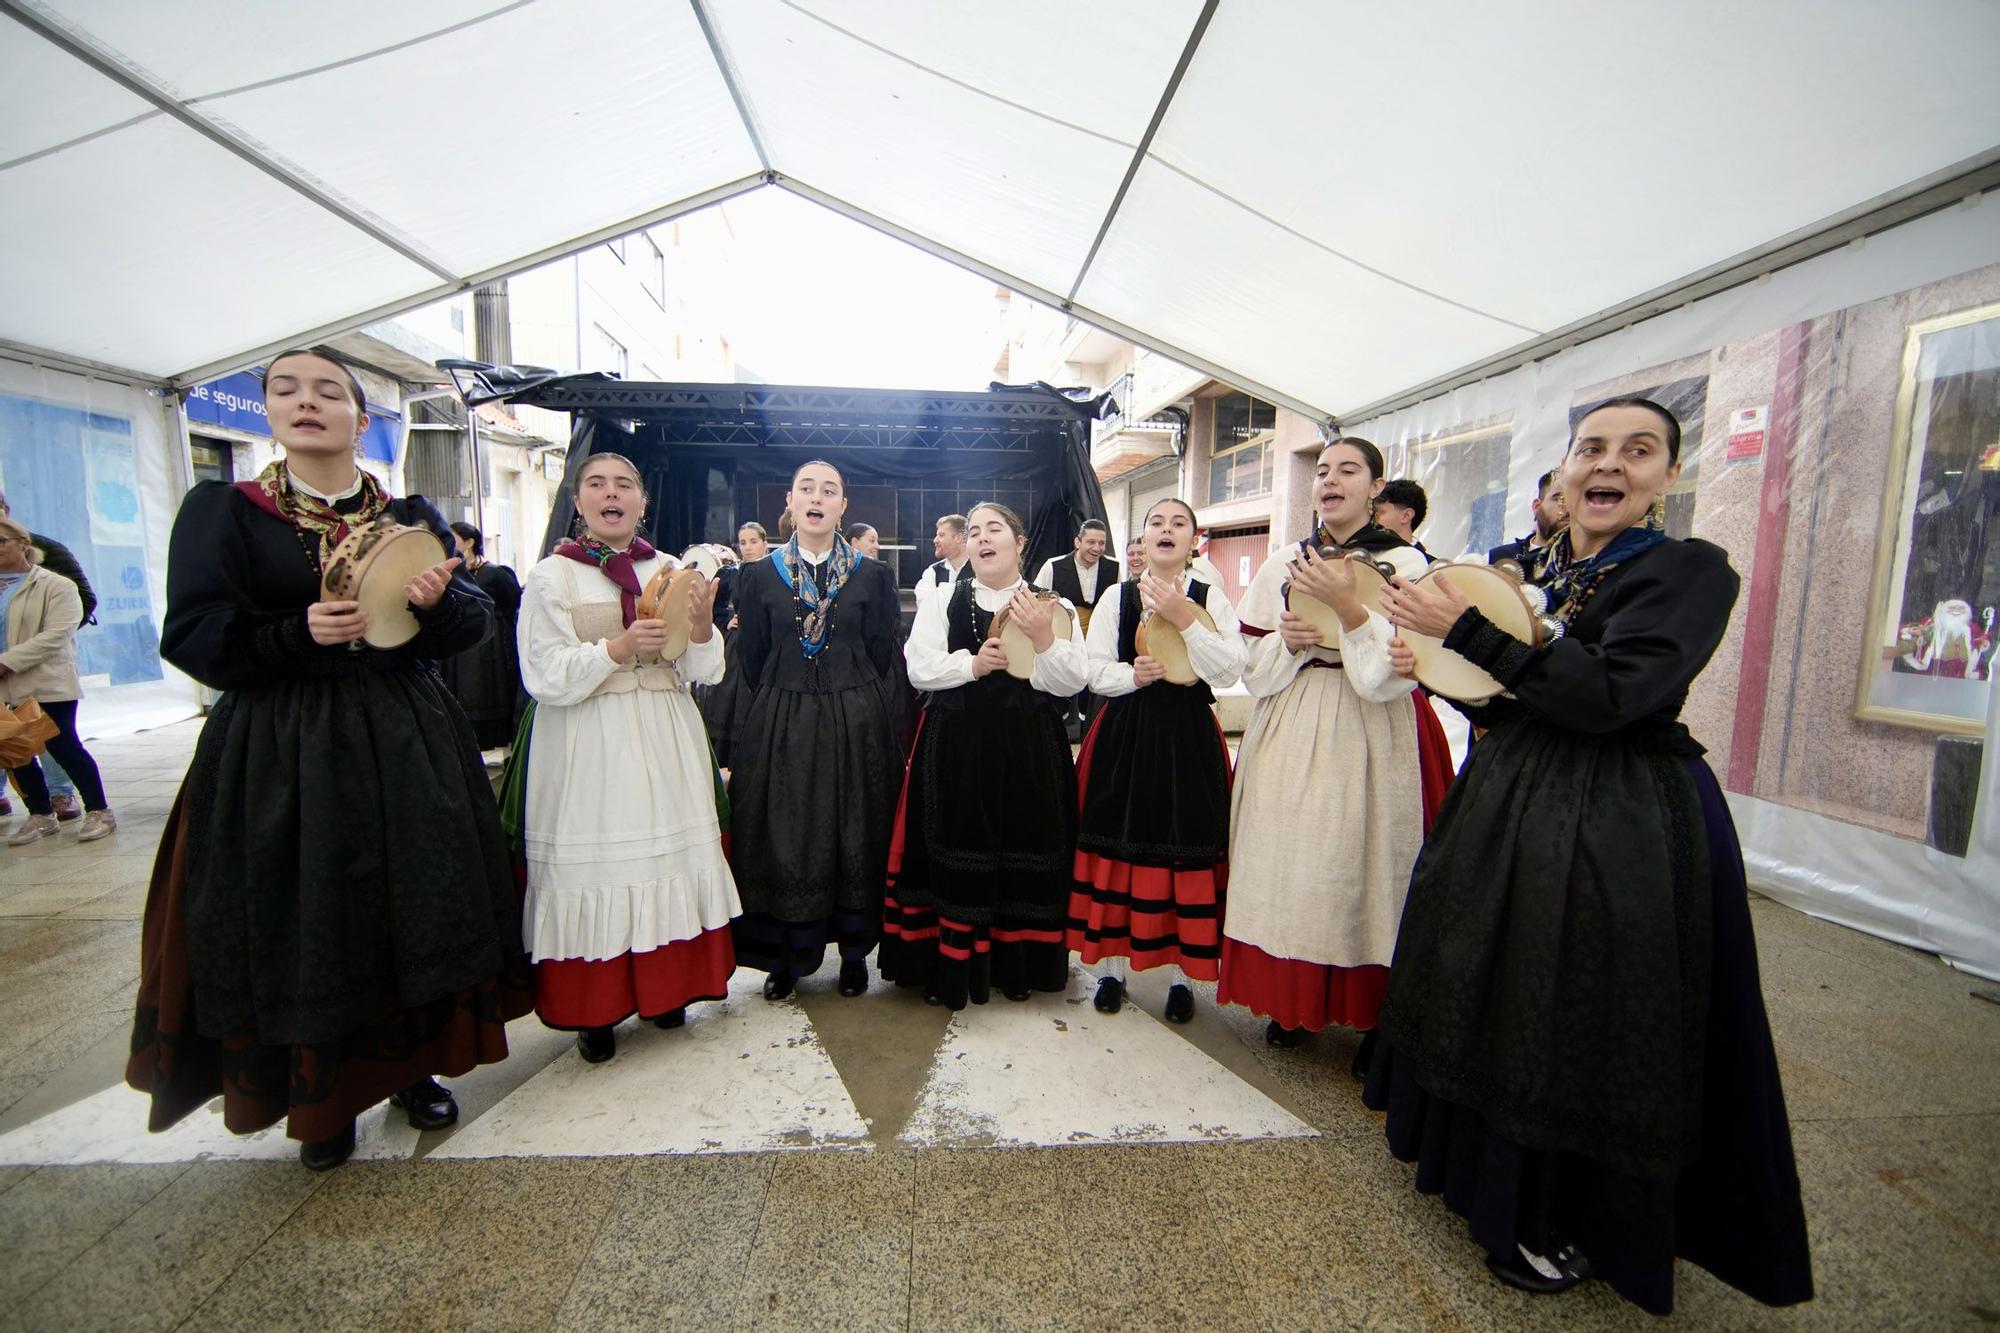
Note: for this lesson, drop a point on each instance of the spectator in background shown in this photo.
(486, 680)
(39, 615)
(949, 544)
(1550, 519)
(866, 540)
(57, 559)
(1401, 508)
(786, 525)
(753, 541)
(1135, 558)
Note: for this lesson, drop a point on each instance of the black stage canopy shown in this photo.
(716, 455)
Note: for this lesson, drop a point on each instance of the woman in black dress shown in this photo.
(815, 764)
(486, 680)
(1574, 1049)
(333, 919)
(979, 867)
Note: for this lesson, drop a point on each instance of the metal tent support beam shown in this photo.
(107, 64)
(1145, 144)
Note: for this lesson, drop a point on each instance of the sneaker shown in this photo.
(33, 829)
(66, 807)
(97, 824)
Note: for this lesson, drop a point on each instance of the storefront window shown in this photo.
(1240, 455)
(1937, 575)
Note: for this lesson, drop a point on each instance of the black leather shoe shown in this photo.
(597, 1045)
(678, 1018)
(1180, 1004)
(853, 976)
(777, 986)
(1515, 1271)
(428, 1103)
(1017, 995)
(1277, 1034)
(1110, 996)
(1364, 1055)
(328, 1153)
(932, 995)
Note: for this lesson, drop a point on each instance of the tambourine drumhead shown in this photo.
(371, 566)
(1498, 596)
(1368, 585)
(1014, 640)
(666, 599)
(1158, 638)
(702, 558)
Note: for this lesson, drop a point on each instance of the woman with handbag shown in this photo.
(39, 615)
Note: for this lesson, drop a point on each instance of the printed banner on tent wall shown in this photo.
(72, 475)
(236, 402)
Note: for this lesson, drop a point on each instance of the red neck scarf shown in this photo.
(617, 566)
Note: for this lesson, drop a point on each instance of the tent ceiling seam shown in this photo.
(144, 116)
(1341, 255)
(78, 141)
(363, 56)
(972, 88)
(1034, 291)
(1145, 144)
(85, 49)
(727, 68)
(1929, 194)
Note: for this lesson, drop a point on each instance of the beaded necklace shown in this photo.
(973, 612)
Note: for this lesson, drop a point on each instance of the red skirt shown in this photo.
(573, 993)
(1298, 994)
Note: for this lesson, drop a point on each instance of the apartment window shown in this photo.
(617, 247)
(1241, 452)
(654, 277)
(611, 353)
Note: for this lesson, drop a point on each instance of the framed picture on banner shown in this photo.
(1933, 603)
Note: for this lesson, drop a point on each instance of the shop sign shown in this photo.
(1746, 433)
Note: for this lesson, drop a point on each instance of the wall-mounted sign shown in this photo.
(1746, 433)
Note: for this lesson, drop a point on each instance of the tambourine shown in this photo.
(702, 557)
(1160, 639)
(666, 598)
(1014, 640)
(1369, 580)
(1505, 601)
(371, 566)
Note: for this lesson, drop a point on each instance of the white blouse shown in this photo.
(934, 665)
(559, 668)
(1363, 652)
(1217, 654)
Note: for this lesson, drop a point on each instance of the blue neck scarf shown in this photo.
(1569, 582)
(815, 609)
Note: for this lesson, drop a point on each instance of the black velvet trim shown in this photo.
(1489, 647)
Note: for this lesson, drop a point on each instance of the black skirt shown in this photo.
(1574, 1046)
(1158, 789)
(980, 865)
(344, 855)
(810, 822)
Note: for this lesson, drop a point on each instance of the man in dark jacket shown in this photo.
(1531, 550)
(57, 559)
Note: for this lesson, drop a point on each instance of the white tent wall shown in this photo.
(1832, 809)
(100, 466)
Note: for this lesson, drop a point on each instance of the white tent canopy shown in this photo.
(1333, 204)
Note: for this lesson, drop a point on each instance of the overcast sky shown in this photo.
(823, 300)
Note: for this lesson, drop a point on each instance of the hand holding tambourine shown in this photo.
(991, 657)
(426, 590)
(701, 611)
(641, 637)
(1035, 616)
(1146, 670)
(1401, 660)
(1163, 599)
(1330, 579)
(1431, 607)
